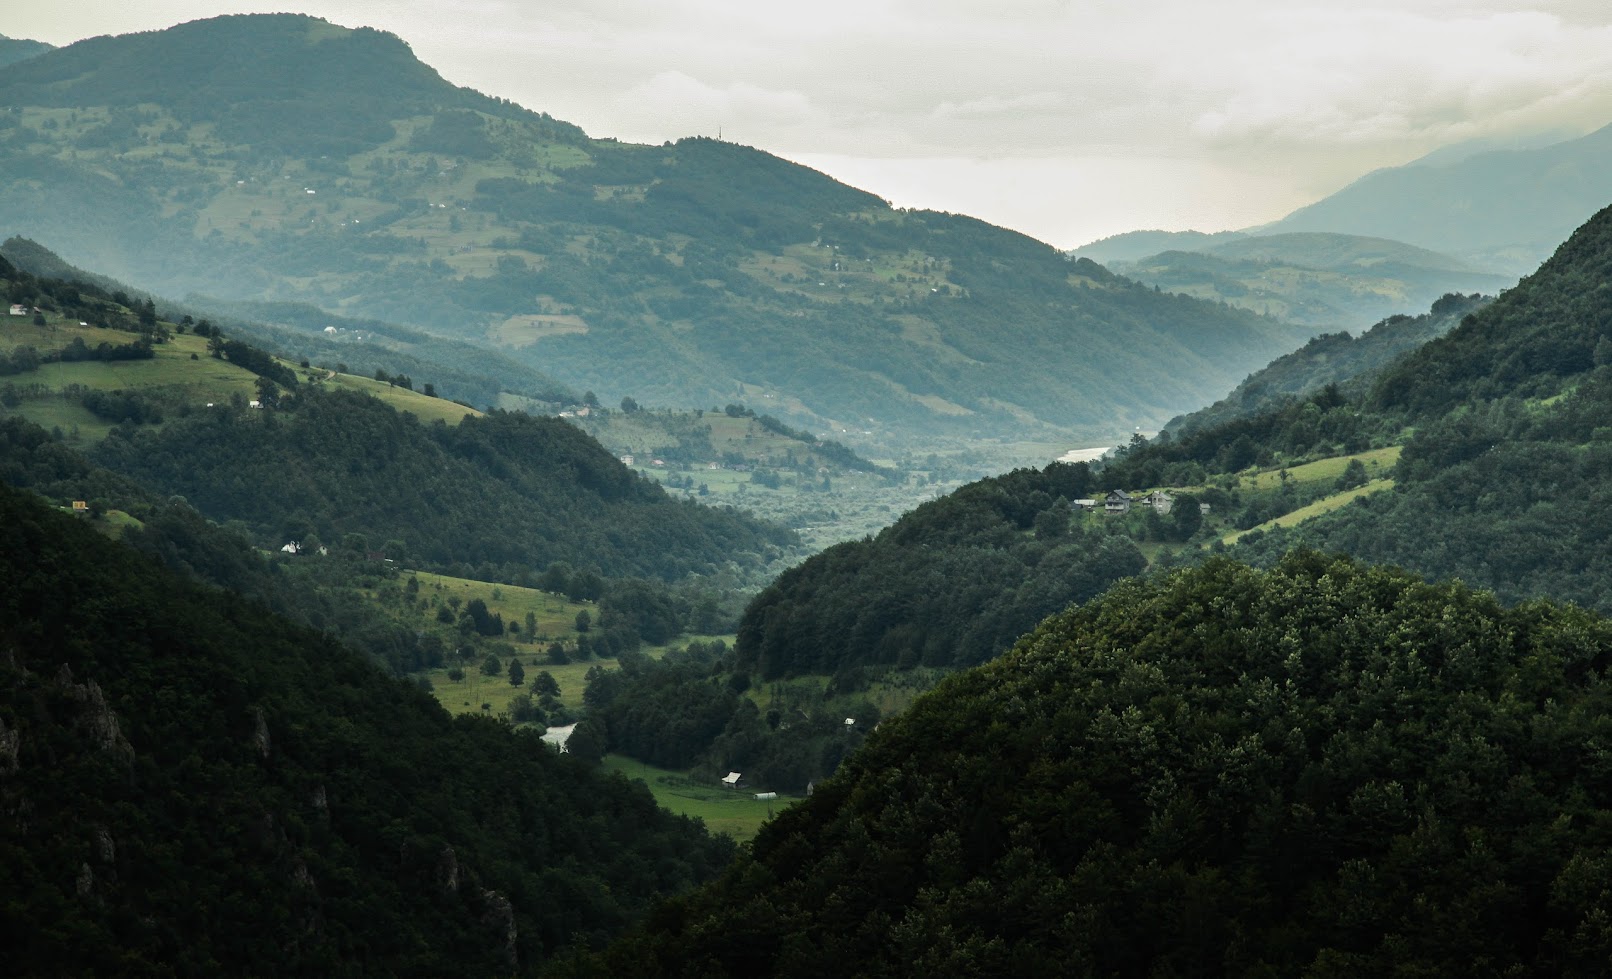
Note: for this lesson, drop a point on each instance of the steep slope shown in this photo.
(1318, 770)
(283, 158)
(1504, 423)
(1331, 358)
(1505, 209)
(192, 786)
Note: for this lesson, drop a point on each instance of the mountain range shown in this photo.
(285, 159)
(1466, 218)
(1179, 731)
(1317, 279)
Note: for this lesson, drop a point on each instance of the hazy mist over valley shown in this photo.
(889, 489)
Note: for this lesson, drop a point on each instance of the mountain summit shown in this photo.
(285, 158)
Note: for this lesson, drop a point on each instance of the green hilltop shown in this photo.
(285, 159)
(1321, 770)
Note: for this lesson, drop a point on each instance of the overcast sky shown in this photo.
(1066, 119)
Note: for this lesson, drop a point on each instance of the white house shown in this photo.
(18, 309)
(1160, 501)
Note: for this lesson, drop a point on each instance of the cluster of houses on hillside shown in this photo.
(1119, 501)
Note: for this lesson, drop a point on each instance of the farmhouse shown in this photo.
(18, 309)
(1117, 501)
(1160, 501)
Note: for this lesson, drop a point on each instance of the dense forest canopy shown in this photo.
(505, 495)
(1322, 769)
(950, 584)
(192, 784)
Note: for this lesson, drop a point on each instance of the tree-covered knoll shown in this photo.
(952, 583)
(1322, 769)
(677, 274)
(14, 49)
(499, 496)
(193, 785)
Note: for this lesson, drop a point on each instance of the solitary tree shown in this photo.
(517, 673)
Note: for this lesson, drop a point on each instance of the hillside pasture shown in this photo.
(731, 812)
(1378, 462)
(425, 408)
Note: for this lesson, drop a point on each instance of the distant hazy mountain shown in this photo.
(1328, 281)
(13, 49)
(281, 158)
(1132, 245)
(1505, 210)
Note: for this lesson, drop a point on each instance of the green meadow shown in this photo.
(733, 812)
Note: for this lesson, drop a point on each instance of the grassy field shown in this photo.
(181, 372)
(1376, 461)
(424, 408)
(736, 813)
(1315, 509)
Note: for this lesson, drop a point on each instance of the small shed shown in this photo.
(731, 780)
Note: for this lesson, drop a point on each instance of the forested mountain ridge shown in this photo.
(1352, 362)
(283, 158)
(1465, 498)
(193, 785)
(1323, 769)
(504, 495)
(1503, 422)
(950, 584)
(14, 49)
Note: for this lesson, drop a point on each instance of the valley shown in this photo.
(909, 595)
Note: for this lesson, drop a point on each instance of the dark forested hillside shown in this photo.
(1319, 770)
(950, 584)
(503, 496)
(193, 786)
(1504, 423)
(285, 159)
(1331, 358)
